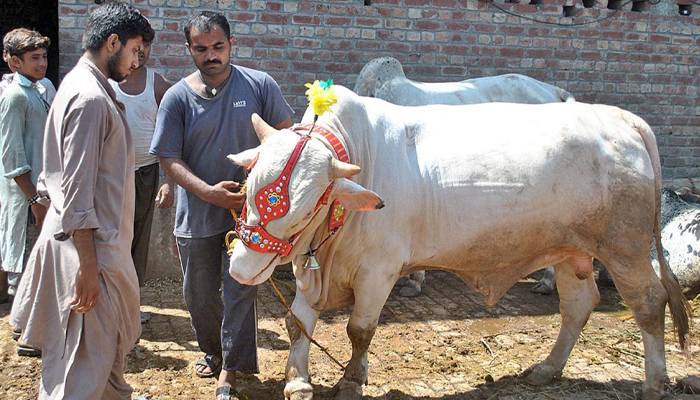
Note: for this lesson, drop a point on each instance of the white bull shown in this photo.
(384, 79)
(550, 184)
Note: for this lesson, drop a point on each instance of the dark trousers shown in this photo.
(227, 327)
(146, 182)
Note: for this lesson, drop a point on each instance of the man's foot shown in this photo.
(16, 333)
(145, 317)
(208, 366)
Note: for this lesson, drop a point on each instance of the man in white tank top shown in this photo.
(141, 93)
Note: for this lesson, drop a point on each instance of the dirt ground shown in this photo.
(444, 344)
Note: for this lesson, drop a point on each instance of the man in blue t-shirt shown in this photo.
(201, 119)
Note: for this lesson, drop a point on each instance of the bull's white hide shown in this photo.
(384, 79)
(490, 192)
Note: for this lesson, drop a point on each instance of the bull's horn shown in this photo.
(262, 129)
(341, 169)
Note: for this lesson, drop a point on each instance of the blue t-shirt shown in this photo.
(203, 131)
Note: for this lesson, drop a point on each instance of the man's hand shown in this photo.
(87, 288)
(87, 284)
(39, 213)
(222, 195)
(164, 198)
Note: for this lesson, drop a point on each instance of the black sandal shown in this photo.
(211, 361)
(27, 351)
(227, 393)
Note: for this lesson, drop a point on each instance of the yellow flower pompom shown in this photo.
(321, 96)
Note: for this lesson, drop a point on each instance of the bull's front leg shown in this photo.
(371, 293)
(298, 385)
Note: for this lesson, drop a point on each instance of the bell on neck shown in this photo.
(312, 263)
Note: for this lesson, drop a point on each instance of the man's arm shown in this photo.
(167, 144)
(165, 197)
(160, 87)
(81, 154)
(284, 124)
(87, 285)
(25, 184)
(220, 195)
(14, 158)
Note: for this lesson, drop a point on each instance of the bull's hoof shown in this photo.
(348, 390)
(543, 288)
(542, 374)
(298, 390)
(411, 289)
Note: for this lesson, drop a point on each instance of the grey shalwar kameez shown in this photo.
(89, 177)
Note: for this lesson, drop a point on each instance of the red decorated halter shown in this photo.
(272, 201)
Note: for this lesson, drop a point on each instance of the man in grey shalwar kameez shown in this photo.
(79, 298)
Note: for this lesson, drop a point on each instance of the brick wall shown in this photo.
(648, 63)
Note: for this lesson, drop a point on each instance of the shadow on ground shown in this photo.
(141, 359)
(445, 297)
(508, 387)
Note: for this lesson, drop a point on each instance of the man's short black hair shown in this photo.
(205, 21)
(115, 17)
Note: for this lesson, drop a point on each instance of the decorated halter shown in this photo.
(272, 201)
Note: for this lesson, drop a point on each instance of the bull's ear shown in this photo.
(245, 158)
(355, 197)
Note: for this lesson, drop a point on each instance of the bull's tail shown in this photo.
(680, 308)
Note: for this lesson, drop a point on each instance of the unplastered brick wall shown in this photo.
(647, 62)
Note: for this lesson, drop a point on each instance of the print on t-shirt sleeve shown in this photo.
(275, 107)
(168, 137)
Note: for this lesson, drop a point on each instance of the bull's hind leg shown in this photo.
(578, 295)
(298, 385)
(370, 295)
(642, 291)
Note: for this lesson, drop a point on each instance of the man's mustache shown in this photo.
(209, 62)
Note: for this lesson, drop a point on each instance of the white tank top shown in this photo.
(141, 110)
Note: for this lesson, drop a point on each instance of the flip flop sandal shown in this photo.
(211, 361)
(26, 351)
(228, 393)
(16, 333)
